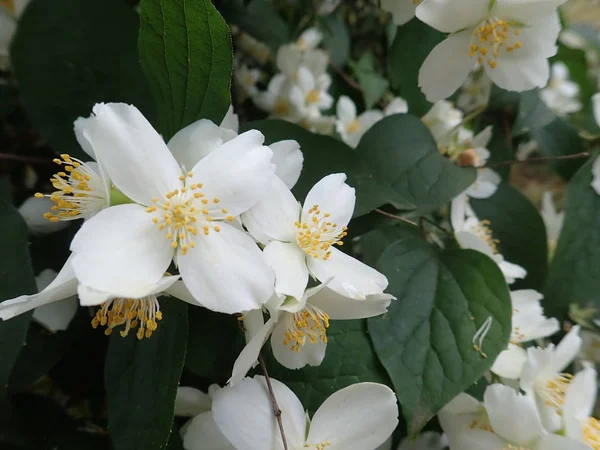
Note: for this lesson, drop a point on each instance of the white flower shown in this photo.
(441, 119)
(310, 95)
(590, 346)
(10, 11)
(397, 106)
(528, 324)
(553, 221)
(298, 328)
(200, 432)
(54, 316)
(463, 412)
(256, 49)
(542, 377)
(246, 79)
(512, 423)
(179, 215)
(561, 94)
(276, 99)
(526, 149)
(475, 91)
(301, 241)
(33, 210)
(402, 10)
(471, 233)
(309, 39)
(596, 107)
(350, 127)
(511, 40)
(358, 417)
(596, 176)
(578, 408)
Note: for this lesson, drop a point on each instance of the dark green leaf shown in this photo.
(517, 224)
(69, 55)
(373, 85)
(425, 341)
(349, 359)
(142, 378)
(185, 48)
(16, 278)
(574, 275)
(336, 39)
(9, 98)
(413, 42)
(214, 343)
(396, 162)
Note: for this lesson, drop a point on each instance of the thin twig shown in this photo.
(538, 159)
(387, 214)
(276, 409)
(347, 78)
(25, 159)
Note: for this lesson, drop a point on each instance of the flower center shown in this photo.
(553, 391)
(186, 211)
(318, 234)
(281, 107)
(322, 446)
(591, 433)
(309, 323)
(493, 35)
(483, 230)
(80, 192)
(313, 96)
(353, 126)
(517, 336)
(133, 313)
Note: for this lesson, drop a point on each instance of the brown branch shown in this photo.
(347, 78)
(539, 159)
(276, 409)
(392, 216)
(24, 159)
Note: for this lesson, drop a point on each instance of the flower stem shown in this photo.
(276, 409)
(539, 159)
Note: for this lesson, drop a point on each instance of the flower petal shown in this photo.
(358, 417)
(274, 216)
(190, 402)
(54, 316)
(202, 433)
(288, 262)
(339, 307)
(402, 10)
(197, 140)
(525, 10)
(120, 250)
(565, 352)
(447, 66)
(556, 442)
(239, 173)
(310, 354)
(33, 210)
(288, 160)
(136, 158)
(231, 121)
(346, 109)
(244, 414)
(250, 353)
(512, 416)
(91, 297)
(226, 271)
(350, 277)
(449, 16)
(63, 287)
(510, 362)
(517, 74)
(579, 401)
(334, 197)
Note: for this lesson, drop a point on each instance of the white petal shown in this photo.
(449, 16)
(513, 416)
(197, 140)
(471, 241)
(596, 107)
(239, 173)
(274, 216)
(596, 173)
(510, 271)
(369, 118)
(288, 159)
(458, 211)
(470, 439)
(579, 400)
(485, 185)
(33, 210)
(202, 433)
(80, 126)
(306, 80)
(56, 316)
(244, 414)
(446, 67)
(250, 353)
(339, 307)
(397, 106)
(190, 402)
(516, 74)
(510, 362)
(288, 261)
(231, 121)
(179, 290)
(333, 196)
(346, 109)
(63, 287)
(524, 11)
(358, 417)
(289, 58)
(91, 297)
(226, 271)
(310, 354)
(402, 10)
(565, 352)
(132, 152)
(350, 277)
(556, 442)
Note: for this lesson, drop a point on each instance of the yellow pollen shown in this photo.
(308, 325)
(484, 231)
(491, 36)
(316, 235)
(591, 433)
(313, 96)
(555, 390)
(353, 126)
(130, 313)
(281, 107)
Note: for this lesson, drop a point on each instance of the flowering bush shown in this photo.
(285, 225)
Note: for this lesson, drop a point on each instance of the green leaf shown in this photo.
(214, 344)
(349, 359)
(396, 162)
(517, 224)
(185, 49)
(373, 85)
(9, 99)
(574, 275)
(554, 136)
(142, 378)
(413, 42)
(336, 38)
(425, 340)
(69, 55)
